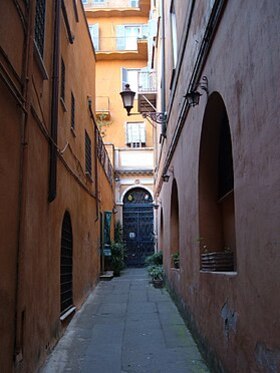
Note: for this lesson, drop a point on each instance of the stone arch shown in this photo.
(138, 225)
(216, 180)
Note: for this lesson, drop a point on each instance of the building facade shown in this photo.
(56, 177)
(218, 176)
(120, 32)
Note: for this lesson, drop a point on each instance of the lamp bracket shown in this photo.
(157, 117)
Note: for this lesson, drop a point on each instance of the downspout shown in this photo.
(163, 98)
(54, 103)
(26, 92)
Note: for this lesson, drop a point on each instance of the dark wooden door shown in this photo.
(138, 225)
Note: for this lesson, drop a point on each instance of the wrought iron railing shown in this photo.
(147, 81)
(118, 43)
(102, 104)
(112, 4)
(103, 157)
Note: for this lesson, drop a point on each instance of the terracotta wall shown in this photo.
(234, 314)
(31, 226)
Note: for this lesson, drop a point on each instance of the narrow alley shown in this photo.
(126, 325)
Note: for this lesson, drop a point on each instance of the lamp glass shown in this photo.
(127, 98)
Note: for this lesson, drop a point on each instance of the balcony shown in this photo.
(134, 161)
(103, 108)
(114, 8)
(122, 48)
(147, 91)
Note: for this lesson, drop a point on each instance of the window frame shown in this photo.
(136, 142)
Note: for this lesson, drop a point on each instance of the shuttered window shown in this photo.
(135, 134)
(40, 25)
(94, 33)
(131, 77)
(88, 154)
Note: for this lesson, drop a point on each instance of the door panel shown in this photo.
(138, 227)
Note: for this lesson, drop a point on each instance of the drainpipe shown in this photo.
(19, 315)
(54, 103)
(163, 102)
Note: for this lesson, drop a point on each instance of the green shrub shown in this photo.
(156, 272)
(117, 258)
(155, 259)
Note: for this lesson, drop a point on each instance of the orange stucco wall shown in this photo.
(109, 81)
(31, 226)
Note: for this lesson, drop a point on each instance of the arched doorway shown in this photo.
(138, 222)
(66, 265)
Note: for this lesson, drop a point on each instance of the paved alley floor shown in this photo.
(126, 326)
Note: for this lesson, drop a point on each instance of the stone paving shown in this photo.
(126, 326)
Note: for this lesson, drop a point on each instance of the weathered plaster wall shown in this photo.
(235, 315)
(30, 258)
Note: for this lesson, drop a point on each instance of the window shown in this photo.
(84, 1)
(99, 1)
(131, 77)
(134, 3)
(62, 81)
(135, 134)
(94, 33)
(127, 36)
(72, 111)
(40, 25)
(173, 31)
(88, 154)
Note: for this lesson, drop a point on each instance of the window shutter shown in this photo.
(142, 133)
(120, 32)
(124, 78)
(94, 33)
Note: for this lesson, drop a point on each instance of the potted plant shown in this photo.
(154, 259)
(156, 273)
(176, 260)
(217, 261)
(117, 257)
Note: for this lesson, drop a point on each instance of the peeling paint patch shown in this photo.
(230, 319)
(268, 359)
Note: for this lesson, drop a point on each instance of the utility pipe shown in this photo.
(54, 103)
(163, 97)
(19, 316)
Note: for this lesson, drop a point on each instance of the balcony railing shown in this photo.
(147, 81)
(104, 159)
(102, 103)
(112, 44)
(111, 4)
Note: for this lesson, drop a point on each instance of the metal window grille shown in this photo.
(88, 154)
(72, 111)
(62, 82)
(66, 265)
(40, 25)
